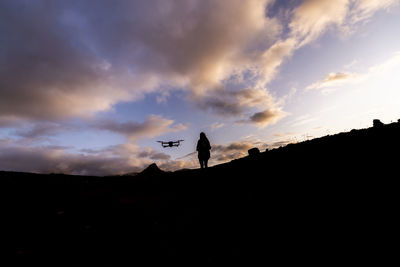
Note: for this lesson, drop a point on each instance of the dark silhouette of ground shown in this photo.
(328, 200)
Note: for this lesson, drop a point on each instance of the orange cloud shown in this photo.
(333, 79)
(265, 117)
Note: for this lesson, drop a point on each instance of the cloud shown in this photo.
(308, 21)
(284, 134)
(4, 142)
(154, 125)
(174, 165)
(265, 117)
(275, 56)
(281, 143)
(76, 58)
(223, 153)
(154, 155)
(194, 43)
(52, 160)
(216, 125)
(234, 103)
(6, 122)
(48, 73)
(235, 150)
(40, 130)
(314, 17)
(112, 160)
(333, 79)
(311, 19)
(364, 9)
(336, 79)
(84, 57)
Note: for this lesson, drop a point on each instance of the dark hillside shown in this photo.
(328, 200)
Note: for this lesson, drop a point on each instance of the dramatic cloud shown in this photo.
(153, 126)
(76, 58)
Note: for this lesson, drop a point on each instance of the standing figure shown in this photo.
(203, 148)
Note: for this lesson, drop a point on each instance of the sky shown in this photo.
(89, 87)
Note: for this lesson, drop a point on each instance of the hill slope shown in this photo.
(331, 199)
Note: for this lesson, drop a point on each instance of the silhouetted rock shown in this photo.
(253, 152)
(151, 170)
(377, 123)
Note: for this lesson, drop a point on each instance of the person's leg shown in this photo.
(206, 163)
(201, 163)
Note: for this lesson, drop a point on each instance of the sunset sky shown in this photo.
(88, 87)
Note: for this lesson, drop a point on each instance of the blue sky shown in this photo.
(88, 87)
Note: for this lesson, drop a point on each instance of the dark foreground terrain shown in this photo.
(329, 200)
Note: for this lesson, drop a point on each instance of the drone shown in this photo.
(170, 143)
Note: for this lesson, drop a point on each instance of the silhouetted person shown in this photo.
(203, 148)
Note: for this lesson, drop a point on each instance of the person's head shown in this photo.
(202, 135)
